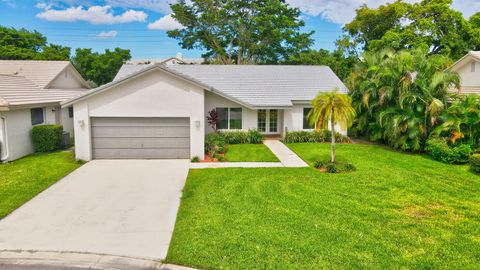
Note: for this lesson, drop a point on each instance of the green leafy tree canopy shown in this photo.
(240, 31)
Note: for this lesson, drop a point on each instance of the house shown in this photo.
(177, 60)
(468, 68)
(159, 111)
(30, 95)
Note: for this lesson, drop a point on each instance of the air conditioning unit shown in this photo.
(66, 139)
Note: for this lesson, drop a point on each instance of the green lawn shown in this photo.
(22, 179)
(397, 211)
(250, 152)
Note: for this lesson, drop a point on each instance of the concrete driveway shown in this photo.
(118, 207)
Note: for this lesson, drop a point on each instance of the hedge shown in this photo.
(47, 138)
(440, 150)
(475, 163)
(314, 136)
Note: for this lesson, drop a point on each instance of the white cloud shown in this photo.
(162, 6)
(93, 15)
(109, 34)
(165, 23)
(343, 11)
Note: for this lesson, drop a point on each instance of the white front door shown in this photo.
(267, 121)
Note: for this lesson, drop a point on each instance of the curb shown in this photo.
(79, 260)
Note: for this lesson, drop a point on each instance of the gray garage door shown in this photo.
(140, 138)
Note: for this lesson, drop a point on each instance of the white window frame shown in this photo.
(228, 117)
(43, 116)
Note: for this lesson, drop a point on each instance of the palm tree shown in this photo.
(332, 108)
(399, 96)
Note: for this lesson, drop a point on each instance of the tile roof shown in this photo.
(20, 91)
(256, 85)
(39, 72)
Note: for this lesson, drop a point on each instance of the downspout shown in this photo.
(3, 141)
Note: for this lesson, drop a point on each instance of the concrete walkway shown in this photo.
(286, 156)
(119, 207)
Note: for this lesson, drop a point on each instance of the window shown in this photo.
(472, 67)
(273, 125)
(262, 120)
(229, 118)
(235, 118)
(70, 112)
(306, 122)
(37, 116)
(222, 118)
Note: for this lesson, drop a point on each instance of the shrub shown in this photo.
(440, 150)
(475, 163)
(337, 167)
(47, 138)
(215, 144)
(195, 159)
(241, 136)
(314, 136)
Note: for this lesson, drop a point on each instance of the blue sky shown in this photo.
(140, 25)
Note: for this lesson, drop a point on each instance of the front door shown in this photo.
(267, 121)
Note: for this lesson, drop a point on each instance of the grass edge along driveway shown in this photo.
(23, 179)
(396, 211)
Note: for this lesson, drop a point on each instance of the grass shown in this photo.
(22, 179)
(250, 153)
(397, 211)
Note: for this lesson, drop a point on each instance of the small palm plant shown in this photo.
(332, 108)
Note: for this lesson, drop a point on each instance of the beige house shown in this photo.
(468, 68)
(159, 110)
(30, 95)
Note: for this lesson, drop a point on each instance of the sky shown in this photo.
(141, 25)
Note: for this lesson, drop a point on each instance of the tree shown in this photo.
(100, 68)
(429, 24)
(240, 31)
(332, 108)
(400, 96)
(337, 61)
(29, 45)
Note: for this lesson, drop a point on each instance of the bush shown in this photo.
(314, 136)
(215, 144)
(475, 163)
(440, 150)
(195, 159)
(337, 167)
(47, 138)
(241, 136)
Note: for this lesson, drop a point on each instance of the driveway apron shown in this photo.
(118, 207)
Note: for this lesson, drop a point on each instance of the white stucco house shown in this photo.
(159, 111)
(30, 94)
(468, 68)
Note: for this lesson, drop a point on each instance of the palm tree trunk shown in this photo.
(333, 139)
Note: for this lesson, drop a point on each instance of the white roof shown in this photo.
(18, 91)
(39, 72)
(254, 85)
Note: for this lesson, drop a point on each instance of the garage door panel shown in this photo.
(141, 143)
(139, 138)
(140, 121)
(141, 153)
(139, 131)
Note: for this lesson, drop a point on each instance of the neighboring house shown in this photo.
(177, 60)
(159, 111)
(468, 68)
(30, 94)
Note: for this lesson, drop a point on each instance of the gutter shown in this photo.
(4, 141)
